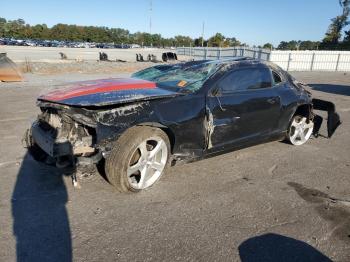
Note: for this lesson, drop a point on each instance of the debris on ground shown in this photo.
(83, 67)
(169, 56)
(8, 70)
(150, 58)
(272, 170)
(63, 56)
(139, 58)
(103, 56)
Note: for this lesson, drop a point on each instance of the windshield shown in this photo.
(189, 78)
(152, 72)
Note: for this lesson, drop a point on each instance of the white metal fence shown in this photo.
(312, 60)
(288, 60)
(221, 53)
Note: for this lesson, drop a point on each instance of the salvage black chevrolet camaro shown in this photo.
(171, 113)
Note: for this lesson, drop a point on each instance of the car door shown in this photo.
(242, 106)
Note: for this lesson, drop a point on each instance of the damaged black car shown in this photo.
(170, 114)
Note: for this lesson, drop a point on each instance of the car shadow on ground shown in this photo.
(274, 248)
(333, 89)
(41, 224)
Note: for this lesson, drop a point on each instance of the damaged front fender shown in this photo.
(333, 119)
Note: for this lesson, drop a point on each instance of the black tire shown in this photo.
(118, 161)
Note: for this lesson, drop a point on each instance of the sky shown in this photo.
(253, 22)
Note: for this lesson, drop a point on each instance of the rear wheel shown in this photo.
(300, 130)
(138, 159)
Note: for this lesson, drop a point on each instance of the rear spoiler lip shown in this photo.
(333, 119)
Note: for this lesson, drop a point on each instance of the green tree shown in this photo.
(3, 22)
(346, 42)
(181, 40)
(198, 41)
(291, 45)
(231, 41)
(334, 32)
(309, 45)
(216, 40)
(13, 28)
(64, 32)
(268, 46)
(40, 32)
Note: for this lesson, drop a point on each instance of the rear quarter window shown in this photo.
(277, 78)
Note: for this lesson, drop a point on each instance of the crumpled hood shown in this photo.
(105, 92)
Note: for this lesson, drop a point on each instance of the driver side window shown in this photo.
(246, 79)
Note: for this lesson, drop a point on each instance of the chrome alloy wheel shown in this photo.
(147, 163)
(300, 131)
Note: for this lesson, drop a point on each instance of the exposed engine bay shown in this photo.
(59, 136)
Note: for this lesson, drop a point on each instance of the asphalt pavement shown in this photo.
(271, 202)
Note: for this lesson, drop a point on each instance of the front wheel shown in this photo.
(300, 130)
(138, 159)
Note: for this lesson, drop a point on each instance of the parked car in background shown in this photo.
(56, 43)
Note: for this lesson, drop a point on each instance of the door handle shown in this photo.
(271, 100)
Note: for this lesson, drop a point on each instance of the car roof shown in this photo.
(242, 60)
(235, 60)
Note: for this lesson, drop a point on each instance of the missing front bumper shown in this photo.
(48, 144)
(58, 150)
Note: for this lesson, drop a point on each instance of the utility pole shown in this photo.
(150, 21)
(150, 17)
(203, 34)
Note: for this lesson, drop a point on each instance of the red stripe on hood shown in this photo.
(97, 86)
